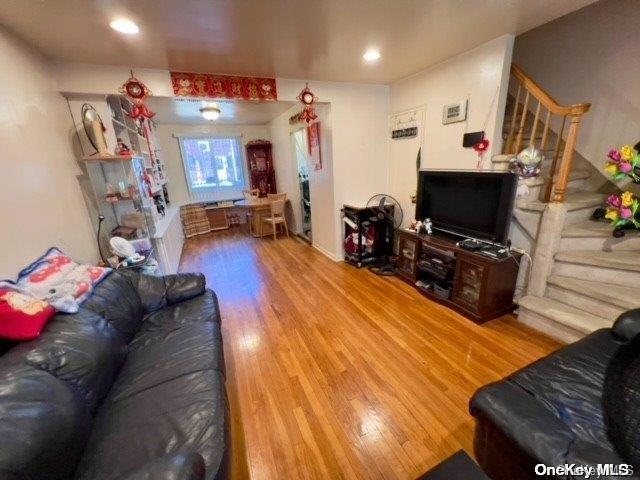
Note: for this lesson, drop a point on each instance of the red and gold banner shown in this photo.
(223, 86)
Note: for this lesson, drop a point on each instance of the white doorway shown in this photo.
(300, 147)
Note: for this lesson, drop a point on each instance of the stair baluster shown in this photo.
(561, 165)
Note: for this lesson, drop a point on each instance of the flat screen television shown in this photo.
(468, 203)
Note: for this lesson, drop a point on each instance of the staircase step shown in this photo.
(558, 319)
(618, 268)
(624, 298)
(574, 176)
(590, 228)
(597, 235)
(614, 260)
(573, 201)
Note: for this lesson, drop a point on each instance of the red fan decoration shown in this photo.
(307, 98)
(137, 92)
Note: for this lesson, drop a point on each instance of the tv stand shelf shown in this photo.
(481, 288)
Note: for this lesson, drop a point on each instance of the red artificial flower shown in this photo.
(481, 146)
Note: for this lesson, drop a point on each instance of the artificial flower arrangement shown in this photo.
(623, 163)
(622, 210)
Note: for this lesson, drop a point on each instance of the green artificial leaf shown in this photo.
(619, 176)
(619, 223)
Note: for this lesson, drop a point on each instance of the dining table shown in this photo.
(259, 207)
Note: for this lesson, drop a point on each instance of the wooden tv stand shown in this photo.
(482, 287)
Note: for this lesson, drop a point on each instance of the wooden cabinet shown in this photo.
(408, 248)
(482, 288)
(260, 165)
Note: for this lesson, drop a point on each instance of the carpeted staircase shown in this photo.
(594, 274)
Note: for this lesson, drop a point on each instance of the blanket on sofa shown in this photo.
(58, 280)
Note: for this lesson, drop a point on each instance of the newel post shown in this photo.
(567, 159)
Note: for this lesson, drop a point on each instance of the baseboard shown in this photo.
(326, 253)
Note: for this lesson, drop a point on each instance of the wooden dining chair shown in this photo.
(253, 193)
(250, 195)
(277, 217)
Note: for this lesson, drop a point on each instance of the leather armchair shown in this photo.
(627, 325)
(551, 411)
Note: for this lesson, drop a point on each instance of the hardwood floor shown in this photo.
(334, 372)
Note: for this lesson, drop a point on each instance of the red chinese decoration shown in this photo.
(223, 86)
(307, 98)
(137, 91)
(481, 147)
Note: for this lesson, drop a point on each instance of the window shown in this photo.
(213, 166)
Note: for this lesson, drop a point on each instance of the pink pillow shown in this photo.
(22, 317)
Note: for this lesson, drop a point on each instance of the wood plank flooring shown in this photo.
(336, 373)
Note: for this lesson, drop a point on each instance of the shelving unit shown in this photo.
(143, 172)
(123, 199)
(139, 136)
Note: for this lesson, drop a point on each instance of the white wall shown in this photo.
(479, 75)
(42, 203)
(177, 187)
(356, 135)
(591, 55)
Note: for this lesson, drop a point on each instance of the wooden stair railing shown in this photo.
(532, 94)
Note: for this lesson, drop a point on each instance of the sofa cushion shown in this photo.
(157, 355)
(81, 349)
(45, 424)
(201, 309)
(570, 382)
(116, 300)
(187, 413)
(169, 395)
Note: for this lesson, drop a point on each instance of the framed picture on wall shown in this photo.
(454, 112)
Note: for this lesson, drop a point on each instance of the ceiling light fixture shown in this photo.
(210, 112)
(124, 25)
(371, 55)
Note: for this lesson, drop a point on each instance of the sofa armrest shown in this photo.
(179, 466)
(627, 325)
(183, 286)
(524, 420)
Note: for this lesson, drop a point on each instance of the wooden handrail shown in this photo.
(544, 98)
(536, 98)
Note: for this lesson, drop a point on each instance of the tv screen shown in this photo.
(471, 204)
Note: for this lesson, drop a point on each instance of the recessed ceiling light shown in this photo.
(371, 55)
(124, 25)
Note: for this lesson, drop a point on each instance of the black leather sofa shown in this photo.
(551, 411)
(132, 387)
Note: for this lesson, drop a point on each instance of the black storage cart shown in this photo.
(363, 235)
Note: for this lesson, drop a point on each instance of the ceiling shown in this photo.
(316, 39)
(186, 111)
